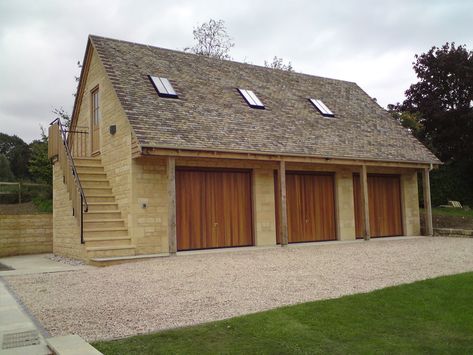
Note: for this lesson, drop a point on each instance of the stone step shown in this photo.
(104, 223)
(105, 232)
(93, 198)
(103, 207)
(110, 251)
(89, 169)
(94, 183)
(101, 215)
(71, 345)
(92, 175)
(114, 260)
(92, 191)
(88, 161)
(107, 241)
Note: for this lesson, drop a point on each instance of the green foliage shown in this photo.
(43, 205)
(438, 111)
(432, 316)
(5, 171)
(442, 100)
(17, 153)
(63, 115)
(39, 165)
(452, 181)
(457, 212)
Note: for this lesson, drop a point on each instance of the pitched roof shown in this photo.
(210, 114)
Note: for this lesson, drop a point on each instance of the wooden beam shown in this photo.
(243, 155)
(282, 203)
(365, 203)
(427, 202)
(171, 174)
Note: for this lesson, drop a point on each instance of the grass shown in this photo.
(43, 205)
(459, 212)
(432, 316)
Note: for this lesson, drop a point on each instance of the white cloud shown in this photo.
(370, 42)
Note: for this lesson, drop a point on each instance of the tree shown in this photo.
(212, 40)
(438, 109)
(63, 115)
(409, 120)
(5, 171)
(17, 153)
(443, 99)
(278, 63)
(39, 165)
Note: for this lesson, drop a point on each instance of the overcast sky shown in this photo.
(370, 42)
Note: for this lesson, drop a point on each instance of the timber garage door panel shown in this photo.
(213, 209)
(310, 207)
(384, 198)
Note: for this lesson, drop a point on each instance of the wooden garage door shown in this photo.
(310, 207)
(384, 196)
(213, 209)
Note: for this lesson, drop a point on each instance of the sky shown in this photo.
(372, 43)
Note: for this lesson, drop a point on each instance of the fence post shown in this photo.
(19, 193)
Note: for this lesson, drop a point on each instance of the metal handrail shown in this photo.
(85, 206)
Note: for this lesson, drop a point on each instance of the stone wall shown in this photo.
(456, 233)
(66, 238)
(115, 149)
(26, 234)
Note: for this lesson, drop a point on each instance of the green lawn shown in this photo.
(452, 212)
(433, 316)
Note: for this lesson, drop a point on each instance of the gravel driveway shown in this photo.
(128, 299)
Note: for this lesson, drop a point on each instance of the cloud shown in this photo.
(370, 42)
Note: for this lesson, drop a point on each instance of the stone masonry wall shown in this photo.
(66, 230)
(115, 150)
(26, 234)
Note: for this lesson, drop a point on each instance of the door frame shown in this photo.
(401, 200)
(93, 150)
(335, 202)
(251, 202)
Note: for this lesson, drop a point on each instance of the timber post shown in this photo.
(171, 182)
(365, 203)
(427, 202)
(282, 203)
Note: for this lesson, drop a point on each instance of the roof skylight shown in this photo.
(251, 99)
(323, 109)
(163, 87)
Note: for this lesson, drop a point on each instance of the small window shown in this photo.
(323, 109)
(251, 98)
(163, 87)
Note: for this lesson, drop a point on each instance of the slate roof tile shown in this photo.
(210, 114)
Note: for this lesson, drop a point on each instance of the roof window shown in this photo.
(251, 99)
(323, 109)
(163, 87)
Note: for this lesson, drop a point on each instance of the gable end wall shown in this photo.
(115, 150)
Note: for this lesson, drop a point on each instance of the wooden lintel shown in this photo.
(282, 203)
(427, 202)
(147, 151)
(365, 203)
(171, 177)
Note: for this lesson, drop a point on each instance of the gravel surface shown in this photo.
(141, 297)
(64, 260)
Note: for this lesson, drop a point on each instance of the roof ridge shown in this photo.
(181, 52)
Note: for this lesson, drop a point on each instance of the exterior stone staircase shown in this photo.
(104, 229)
